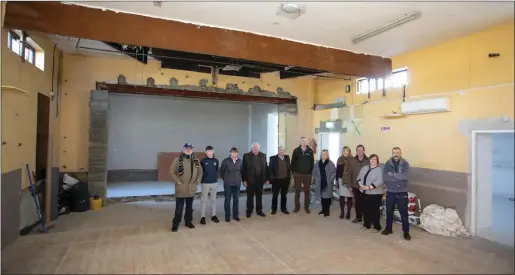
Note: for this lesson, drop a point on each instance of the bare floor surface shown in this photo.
(136, 238)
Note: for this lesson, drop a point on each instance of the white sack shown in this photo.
(442, 221)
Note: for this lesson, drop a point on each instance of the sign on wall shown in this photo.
(385, 128)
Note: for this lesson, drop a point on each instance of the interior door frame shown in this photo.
(473, 176)
(319, 136)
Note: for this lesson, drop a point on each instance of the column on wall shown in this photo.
(97, 159)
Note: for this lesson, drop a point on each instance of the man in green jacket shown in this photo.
(187, 174)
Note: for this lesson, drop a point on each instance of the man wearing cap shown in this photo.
(231, 174)
(254, 175)
(186, 173)
(209, 182)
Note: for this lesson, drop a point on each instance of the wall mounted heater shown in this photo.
(426, 106)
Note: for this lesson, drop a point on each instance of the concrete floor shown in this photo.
(136, 238)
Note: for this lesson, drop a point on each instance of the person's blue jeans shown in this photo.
(231, 192)
(401, 200)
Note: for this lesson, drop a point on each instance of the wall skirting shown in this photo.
(445, 188)
(11, 184)
(131, 175)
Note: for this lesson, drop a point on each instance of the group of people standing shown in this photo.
(360, 181)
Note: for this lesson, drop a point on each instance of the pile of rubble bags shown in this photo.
(412, 210)
(439, 220)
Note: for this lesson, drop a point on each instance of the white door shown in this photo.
(331, 142)
(502, 187)
(495, 187)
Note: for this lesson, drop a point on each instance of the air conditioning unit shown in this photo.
(426, 106)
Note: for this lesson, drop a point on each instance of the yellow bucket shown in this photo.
(95, 204)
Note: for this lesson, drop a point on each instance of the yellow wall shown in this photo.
(434, 140)
(19, 111)
(81, 72)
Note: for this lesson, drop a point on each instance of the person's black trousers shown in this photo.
(401, 200)
(179, 206)
(371, 212)
(280, 186)
(358, 203)
(255, 189)
(326, 206)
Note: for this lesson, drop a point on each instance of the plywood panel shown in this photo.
(164, 160)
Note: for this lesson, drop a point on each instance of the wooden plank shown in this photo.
(90, 23)
(145, 90)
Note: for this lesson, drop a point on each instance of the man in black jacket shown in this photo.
(280, 175)
(254, 175)
(302, 162)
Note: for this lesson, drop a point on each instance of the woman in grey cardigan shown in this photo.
(370, 180)
(324, 174)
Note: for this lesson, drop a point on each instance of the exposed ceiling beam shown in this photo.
(297, 72)
(95, 24)
(140, 54)
(145, 90)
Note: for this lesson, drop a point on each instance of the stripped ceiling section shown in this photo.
(334, 24)
(249, 38)
(232, 52)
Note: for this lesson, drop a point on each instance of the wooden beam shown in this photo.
(95, 24)
(145, 90)
(3, 12)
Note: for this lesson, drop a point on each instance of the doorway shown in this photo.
(493, 186)
(42, 136)
(331, 142)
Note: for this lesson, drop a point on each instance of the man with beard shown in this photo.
(396, 179)
(254, 175)
(302, 163)
(186, 173)
(362, 161)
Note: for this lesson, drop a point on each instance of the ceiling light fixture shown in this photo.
(399, 21)
(157, 3)
(291, 11)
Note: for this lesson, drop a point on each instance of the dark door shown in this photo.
(42, 136)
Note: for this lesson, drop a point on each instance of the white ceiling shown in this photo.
(335, 24)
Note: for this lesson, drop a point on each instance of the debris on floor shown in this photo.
(73, 196)
(413, 210)
(439, 220)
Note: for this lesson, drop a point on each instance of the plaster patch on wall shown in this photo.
(466, 126)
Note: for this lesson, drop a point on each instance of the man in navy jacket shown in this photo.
(395, 176)
(209, 182)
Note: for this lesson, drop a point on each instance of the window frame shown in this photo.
(13, 36)
(30, 49)
(366, 81)
(29, 52)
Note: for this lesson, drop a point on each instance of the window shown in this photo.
(398, 79)
(15, 42)
(30, 54)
